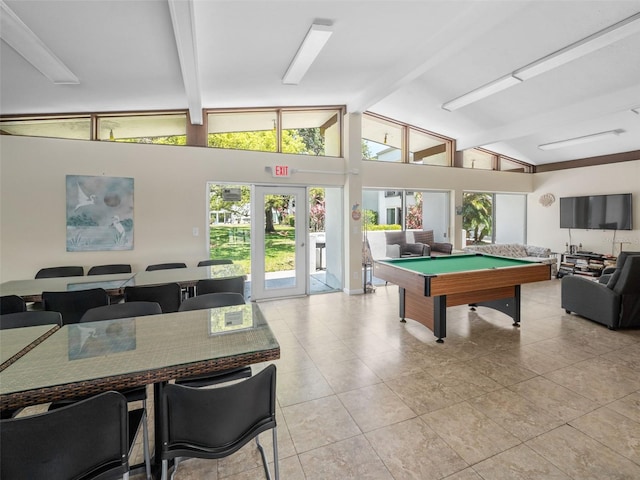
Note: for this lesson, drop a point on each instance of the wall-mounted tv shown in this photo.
(597, 212)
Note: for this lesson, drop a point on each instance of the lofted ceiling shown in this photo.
(400, 59)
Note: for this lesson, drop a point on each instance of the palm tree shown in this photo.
(477, 215)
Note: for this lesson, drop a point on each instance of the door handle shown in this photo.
(302, 244)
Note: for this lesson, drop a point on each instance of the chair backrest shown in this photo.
(426, 237)
(29, 319)
(626, 280)
(121, 310)
(211, 300)
(73, 304)
(87, 439)
(54, 272)
(395, 238)
(12, 304)
(165, 266)
(622, 256)
(108, 269)
(216, 422)
(168, 295)
(220, 285)
(219, 261)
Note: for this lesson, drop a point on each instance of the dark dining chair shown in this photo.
(73, 304)
(220, 285)
(165, 266)
(217, 422)
(168, 295)
(121, 310)
(29, 319)
(54, 272)
(211, 300)
(219, 261)
(12, 304)
(109, 269)
(86, 439)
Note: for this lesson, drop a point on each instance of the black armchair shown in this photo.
(397, 246)
(609, 271)
(616, 304)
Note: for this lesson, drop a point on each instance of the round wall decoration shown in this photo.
(546, 199)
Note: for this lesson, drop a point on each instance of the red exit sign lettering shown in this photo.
(281, 171)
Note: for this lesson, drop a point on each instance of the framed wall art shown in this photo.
(99, 213)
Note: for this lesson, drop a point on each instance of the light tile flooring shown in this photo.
(363, 396)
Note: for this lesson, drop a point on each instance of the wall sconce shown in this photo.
(458, 209)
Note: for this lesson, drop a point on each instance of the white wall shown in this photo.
(544, 222)
(170, 197)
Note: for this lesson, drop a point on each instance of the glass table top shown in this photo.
(186, 275)
(14, 340)
(93, 350)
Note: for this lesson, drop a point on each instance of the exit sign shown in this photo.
(281, 171)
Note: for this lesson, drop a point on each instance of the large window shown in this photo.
(494, 218)
(72, 127)
(407, 210)
(164, 129)
(381, 140)
(386, 140)
(304, 132)
(482, 159)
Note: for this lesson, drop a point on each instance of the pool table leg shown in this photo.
(401, 302)
(440, 317)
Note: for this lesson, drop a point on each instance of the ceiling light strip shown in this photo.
(580, 140)
(579, 49)
(481, 92)
(313, 43)
(612, 34)
(22, 39)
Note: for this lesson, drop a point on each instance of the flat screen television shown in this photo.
(597, 212)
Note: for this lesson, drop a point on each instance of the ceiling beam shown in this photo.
(184, 29)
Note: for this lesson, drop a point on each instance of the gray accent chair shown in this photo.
(397, 246)
(609, 271)
(616, 304)
(437, 248)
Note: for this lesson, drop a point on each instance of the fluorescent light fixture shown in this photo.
(612, 34)
(481, 92)
(316, 38)
(184, 29)
(580, 140)
(22, 39)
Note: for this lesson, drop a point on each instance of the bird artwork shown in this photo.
(120, 232)
(84, 199)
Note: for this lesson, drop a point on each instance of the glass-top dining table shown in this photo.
(88, 358)
(31, 290)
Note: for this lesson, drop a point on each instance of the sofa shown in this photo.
(517, 250)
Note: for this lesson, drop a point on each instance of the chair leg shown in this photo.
(145, 441)
(165, 469)
(275, 453)
(265, 463)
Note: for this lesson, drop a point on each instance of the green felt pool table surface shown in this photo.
(454, 263)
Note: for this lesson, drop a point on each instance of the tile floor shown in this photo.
(363, 396)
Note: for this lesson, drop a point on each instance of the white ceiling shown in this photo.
(401, 59)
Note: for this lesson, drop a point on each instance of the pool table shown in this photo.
(428, 285)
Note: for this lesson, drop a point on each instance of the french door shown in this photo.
(279, 229)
